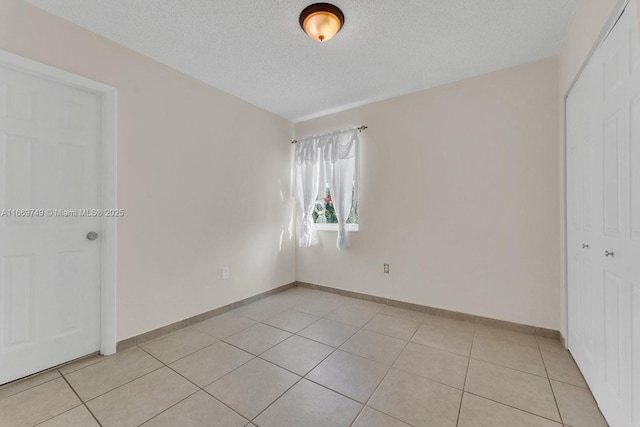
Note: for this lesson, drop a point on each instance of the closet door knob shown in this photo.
(585, 245)
(607, 253)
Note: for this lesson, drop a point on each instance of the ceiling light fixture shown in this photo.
(321, 21)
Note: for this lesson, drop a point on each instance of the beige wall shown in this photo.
(460, 195)
(460, 186)
(590, 20)
(202, 176)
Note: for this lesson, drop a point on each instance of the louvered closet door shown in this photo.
(603, 222)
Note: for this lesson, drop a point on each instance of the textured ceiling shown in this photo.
(255, 49)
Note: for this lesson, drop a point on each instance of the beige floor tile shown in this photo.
(112, 372)
(521, 390)
(207, 365)
(285, 299)
(309, 405)
(252, 387)
(446, 334)
(352, 315)
(397, 327)
(438, 365)
(225, 325)
(550, 345)
(328, 332)
(258, 338)
(291, 320)
(298, 354)
(374, 346)
(577, 406)
(561, 367)
(27, 383)
(142, 399)
(371, 418)
(348, 374)
(37, 404)
(417, 400)
(76, 417)
(176, 345)
(499, 335)
(83, 362)
(515, 356)
(318, 307)
(329, 296)
(479, 412)
(261, 310)
(403, 313)
(302, 292)
(197, 410)
(361, 303)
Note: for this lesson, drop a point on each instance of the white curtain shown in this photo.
(340, 153)
(331, 158)
(307, 185)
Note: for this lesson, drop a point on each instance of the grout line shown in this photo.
(302, 377)
(514, 407)
(304, 299)
(166, 409)
(464, 384)
(276, 399)
(387, 374)
(164, 365)
(28, 388)
(509, 367)
(199, 388)
(123, 384)
(553, 393)
(81, 401)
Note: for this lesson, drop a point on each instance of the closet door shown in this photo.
(614, 280)
(633, 244)
(603, 222)
(584, 195)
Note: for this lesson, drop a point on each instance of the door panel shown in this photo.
(50, 272)
(612, 196)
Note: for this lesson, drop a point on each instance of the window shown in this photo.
(324, 214)
(327, 159)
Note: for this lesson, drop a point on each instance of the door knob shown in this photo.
(607, 253)
(92, 235)
(585, 246)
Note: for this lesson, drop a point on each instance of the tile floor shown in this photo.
(309, 358)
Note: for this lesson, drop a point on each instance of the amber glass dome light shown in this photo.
(321, 21)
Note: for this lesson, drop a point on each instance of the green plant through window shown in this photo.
(325, 213)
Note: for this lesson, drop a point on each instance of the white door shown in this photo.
(584, 195)
(49, 269)
(603, 223)
(614, 246)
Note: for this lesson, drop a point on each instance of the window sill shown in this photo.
(334, 227)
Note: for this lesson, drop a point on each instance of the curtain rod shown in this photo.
(360, 129)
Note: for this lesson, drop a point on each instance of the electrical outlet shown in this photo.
(225, 273)
(386, 268)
